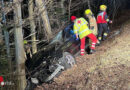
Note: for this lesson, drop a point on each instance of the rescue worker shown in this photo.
(82, 31)
(92, 21)
(68, 31)
(102, 20)
(27, 48)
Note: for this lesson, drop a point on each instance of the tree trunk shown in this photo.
(6, 35)
(1, 36)
(89, 4)
(19, 48)
(69, 10)
(63, 7)
(44, 16)
(32, 25)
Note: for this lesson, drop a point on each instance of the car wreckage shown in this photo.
(52, 59)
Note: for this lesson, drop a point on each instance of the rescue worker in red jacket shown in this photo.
(102, 20)
(82, 31)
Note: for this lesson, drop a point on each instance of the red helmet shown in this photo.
(73, 18)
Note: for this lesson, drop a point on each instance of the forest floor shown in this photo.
(107, 69)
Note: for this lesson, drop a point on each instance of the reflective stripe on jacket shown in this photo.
(81, 28)
(101, 17)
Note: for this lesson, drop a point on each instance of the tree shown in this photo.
(63, 7)
(32, 26)
(44, 16)
(6, 33)
(19, 48)
(1, 36)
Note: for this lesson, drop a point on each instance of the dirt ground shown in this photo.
(107, 69)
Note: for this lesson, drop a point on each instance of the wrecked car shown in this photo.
(52, 59)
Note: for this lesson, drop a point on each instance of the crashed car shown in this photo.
(52, 59)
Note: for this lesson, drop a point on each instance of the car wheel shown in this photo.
(68, 60)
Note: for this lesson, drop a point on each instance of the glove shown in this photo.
(74, 36)
(71, 32)
(77, 39)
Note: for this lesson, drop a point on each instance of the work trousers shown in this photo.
(103, 30)
(93, 38)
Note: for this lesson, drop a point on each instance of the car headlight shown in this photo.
(35, 80)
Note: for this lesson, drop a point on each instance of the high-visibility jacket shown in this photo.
(101, 17)
(93, 23)
(81, 28)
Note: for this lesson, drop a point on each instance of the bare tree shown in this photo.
(89, 4)
(69, 9)
(44, 16)
(1, 36)
(63, 7)
(32, 26)
(19, 48)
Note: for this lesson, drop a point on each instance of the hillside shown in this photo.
(107, 69)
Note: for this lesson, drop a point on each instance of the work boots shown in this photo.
(104, 38)
(98, 43)
(92, 51)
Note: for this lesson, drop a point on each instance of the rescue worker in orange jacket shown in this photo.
(102, 20)
(82, 31)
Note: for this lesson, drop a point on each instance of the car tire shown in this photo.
(68, 60)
